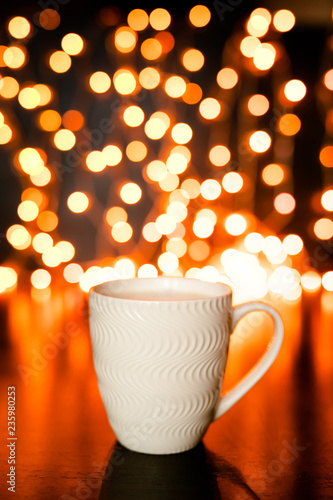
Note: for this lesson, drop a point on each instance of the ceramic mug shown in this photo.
(160, 348)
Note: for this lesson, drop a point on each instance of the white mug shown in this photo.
(160, 349)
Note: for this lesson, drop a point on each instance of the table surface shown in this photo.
(276, 442)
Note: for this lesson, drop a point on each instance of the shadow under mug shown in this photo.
(160, 349)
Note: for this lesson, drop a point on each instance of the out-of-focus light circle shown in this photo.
(260, 141)
(112, 155)
(73, 120)
(259, 22)
(44, 92)
(328, 79)
(155, 128)
(177, 210)
(193, 93)
(136, 151)
(124, 81)
(133, 116)
(27, 210)
(323, 228)
(52, 257)
(272, 246)
(49, 19)
(34, 195)
(248, 45)
(9, 87)
(8, 278)
(49, 120)
(210, 189)
(147, 271)
(40, 279)
(292, 244)
(130, 193)
(14, 57)
(165, 224)
(177, 246)
(289, 124)
(327, 200)
(116, 214)
(42, 178)
(258, 105)
(294, 90)
(273, 174)
(5, 134)
(72, 44)
(60, 61)
(95, 161)
(284, 203)
(156, 170)
(122, 232)
(199, 250)
(78, 202)
(31, 161)
(264, 56)
(149, 78)
(181, 133)
(168, 262)
(176, 163)
(47, 221)
(193, 60)
(125, 267)
(64, 139)
(73, 273)
(29, 98)
(284, 20)
(100, 82)
(18, 237)
(203, 227)
(311, 281)
(166, 40)
(125, 39)
(227, 78)
(235, 224)
(41, 242)
(19, 27)
(159, 19)
(327, 281)
(150, 233)
(190, 189)
(175, 86)
(254, 242)
(326, 156)
(151, 49)
(219, 155)
(169, 182)
(210, 108)
(199, 16)
(138, 19)
(232, 182)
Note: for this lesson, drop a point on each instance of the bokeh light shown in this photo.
(72, 44)
(258, 105)
(40, 279)
(227, 78)
(273, 174)
(327, 200)
(284, 203)
(130, 193)
(60, 61)
(210, 108)
(235, 224)
(138, 19)
(19, 27)
(100, 82)
(327, 281)
(199, 16)
(232, 182)
(283, 20)
(260, 141)
(78, 202)
(125, 39)
(294, 90)
(219, 155)
(124, 81)
(193, 60)
(323, 228)
(159, 19)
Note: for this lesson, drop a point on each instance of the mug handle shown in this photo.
(255, 374)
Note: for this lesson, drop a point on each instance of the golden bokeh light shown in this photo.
(327, 281)
(130, 193)
(72, 44)
(47, 221)
(125, 39)
(175, 86)
(31, 161)
(14, 57)
(181, 133)
(193, 60)
(147, 271)
(78, 202)
(177, 210)
(156, 170)
(150, 233)
(95, 161)
(151, 49)
(210, 108)
(19, 27)
(253, 242)
(165, 224)
(232, 182)
(264, 56)
(124, 81)
(327, 200)
(49, 19)
(9, 87)
(182, 150)
(52, 257)
(294, 90)
(34, 195)
(122, 232)
(149, 78)
(42, 178)
(133, 116)
(219, 155)
(41, 242)
(168, 262)
(176, 164)
(323, 228)
(73, 120)
(273, 174)
(199, 250)
(64, 139)
(192, 94)
(292, 244)
(136, 151)
(18, 237)
(326, 156)
(289, 124)
(166, 40)
(177, 246)
(210, 189)
(138, 19)
(116, 214)
(44, 92)
(100, 82)
(203, 227)
(27, 210)
(199, 16)
(60, 61)
(169, 182)
(29, 98)
(73, 273)
(311, 281)
(155, 127)
(258, 105)
(8, 279)
(328, 79)
(159, 19)
(235, 224)
(112, 155)
(259, 22)
(5, 134)
(227, 78)
(40, 279)
(190, 188)
(284, 203)
(284, 20)
(49, 120)
(248, 45)
(260, 141)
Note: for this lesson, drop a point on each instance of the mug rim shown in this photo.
(225, 290)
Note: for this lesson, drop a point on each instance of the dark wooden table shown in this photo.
(277, 442)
